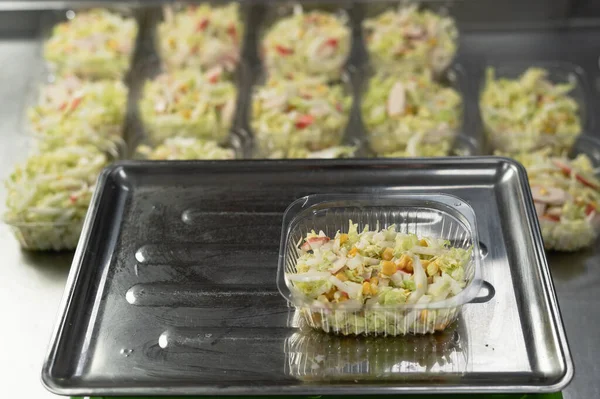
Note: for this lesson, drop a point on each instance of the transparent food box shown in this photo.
(510, 141)
(318, 356)
(279, 115)
(91, 43)
(433, 216)
(413, 36)
(306, 38)
(411, 96)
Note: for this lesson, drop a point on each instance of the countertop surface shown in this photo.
(32, 284)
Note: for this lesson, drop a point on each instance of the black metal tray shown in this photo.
(172, 290)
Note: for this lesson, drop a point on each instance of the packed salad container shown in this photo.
(529, 107)
(298, 39)
(306, 80)
(389, 265)
(92, 44)
(314, 356)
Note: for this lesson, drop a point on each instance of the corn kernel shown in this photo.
(423, 242)
(342, 276)
(387, 254)
(409, 266)
(329, 295)
(353, 251)
(432, 269)
(366, 288)
(374, 281)
(112, 43)
(343, 238)
(388, 267)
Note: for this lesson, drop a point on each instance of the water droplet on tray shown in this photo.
(207, 335)
(126, 352)
(163, 340)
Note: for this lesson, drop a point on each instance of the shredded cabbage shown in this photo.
(94, 44)
(529, 112)
(356, 279)
(337, 152)
(411, 38)
(422, 149)
(410, 114)
(300, 116)
(201, 36)
(49, 195)
(77, 112)
(312, 43)
(185, 148)
(189, 103)
(566, 195)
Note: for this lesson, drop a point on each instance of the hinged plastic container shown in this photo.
(383, 141)
(558, 73)
(436, 216)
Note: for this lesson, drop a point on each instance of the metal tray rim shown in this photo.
(60, 386)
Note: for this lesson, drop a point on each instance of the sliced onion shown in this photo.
(420, 281)
(352, 289)
(308, 276)
(428, 251)
(338, 265)
(398, 277)
(355, 262)
(371, 261)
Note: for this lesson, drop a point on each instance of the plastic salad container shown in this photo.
(296, 117)
(412, 38)
(200, 36)
(92, 44)
(189, 103)
(48, 196)
(410, 271)
(412, 114)
(526, 107)
(314, 42)
(314, 356)
(73, 111)
(566, 195)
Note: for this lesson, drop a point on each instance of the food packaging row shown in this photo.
(137, 84)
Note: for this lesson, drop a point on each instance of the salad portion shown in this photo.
(412, 39)
(48, 196)
(185, 148)
(189, 103)
(80, 112)
(94, 44)
(529, 112)
(410, 114)
(299, 116)
(312, 43)
(201, 36)
(358, 282)
(566, 195)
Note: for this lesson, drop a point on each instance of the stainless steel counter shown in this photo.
(31, 285)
